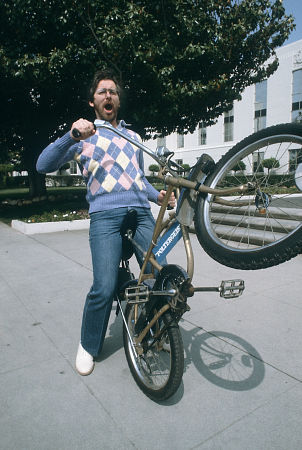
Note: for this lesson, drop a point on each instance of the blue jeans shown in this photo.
(106, 251)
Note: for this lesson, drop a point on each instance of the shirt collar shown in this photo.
(121, 124)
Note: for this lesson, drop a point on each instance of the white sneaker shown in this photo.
(84, 361)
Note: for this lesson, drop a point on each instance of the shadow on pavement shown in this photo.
(224, 359)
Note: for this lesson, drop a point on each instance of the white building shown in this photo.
(275, 100)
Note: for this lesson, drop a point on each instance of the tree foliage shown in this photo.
(240, 166)
(270, 163)
(153, 168)
(181, 62)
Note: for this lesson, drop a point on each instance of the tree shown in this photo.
(240, 166)
(270, 163)
(5, 170)
(153, 168)
(37, 64)
(186, 167)
(181, 62)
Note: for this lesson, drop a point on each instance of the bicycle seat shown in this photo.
(129, 225)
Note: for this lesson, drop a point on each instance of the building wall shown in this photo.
(279, 106)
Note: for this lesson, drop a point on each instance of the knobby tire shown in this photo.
(268, 230)
(158, 373)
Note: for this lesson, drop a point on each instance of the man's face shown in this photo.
(106, 101)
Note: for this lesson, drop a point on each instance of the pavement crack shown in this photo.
(58, 252)
(117, 424)
(234, 422)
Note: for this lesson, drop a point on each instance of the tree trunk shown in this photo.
(33, 145)
(36, 181)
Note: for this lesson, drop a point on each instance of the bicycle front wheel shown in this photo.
(158, 366)
(262, 227)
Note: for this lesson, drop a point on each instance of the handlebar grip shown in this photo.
(76, 133)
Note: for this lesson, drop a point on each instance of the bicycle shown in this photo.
(247, 214)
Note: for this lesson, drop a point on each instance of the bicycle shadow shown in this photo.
(224, 359)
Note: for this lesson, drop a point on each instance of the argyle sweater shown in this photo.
(112, 167)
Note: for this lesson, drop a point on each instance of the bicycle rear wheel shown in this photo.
(262, 227)
(158, 368)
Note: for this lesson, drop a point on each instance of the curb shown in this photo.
(50, 227)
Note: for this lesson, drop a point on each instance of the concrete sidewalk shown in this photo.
(243, 365)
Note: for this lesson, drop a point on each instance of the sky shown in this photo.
(294, 7)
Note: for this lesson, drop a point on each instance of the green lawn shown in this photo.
(61, 199)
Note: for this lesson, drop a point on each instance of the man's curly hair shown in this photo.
(105, 74)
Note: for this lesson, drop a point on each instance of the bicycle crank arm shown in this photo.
(169, 292)
(206, 289)
(227, 288)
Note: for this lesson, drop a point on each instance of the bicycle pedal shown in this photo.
(231, 288)
(137, 294)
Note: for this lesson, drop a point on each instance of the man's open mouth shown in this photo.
(108, 107)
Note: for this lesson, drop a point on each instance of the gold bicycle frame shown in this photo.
(173, 182)
(161, 225)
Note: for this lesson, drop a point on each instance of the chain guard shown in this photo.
(170, 277)
(174, 277)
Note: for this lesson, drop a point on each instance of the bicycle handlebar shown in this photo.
(160, 159)
(175, 180)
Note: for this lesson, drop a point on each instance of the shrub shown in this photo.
(240, 166)
(57, 216)
(153, 168)
(64, 180)
(270, 163)
(15, 182)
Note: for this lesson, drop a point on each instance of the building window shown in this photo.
(297, 95)
(161, 142)
(295, 158)
(229, 125)
(260, 105)
(202, 134)
(257, 162)
(180, 140)
(73, 169)
(179, 162)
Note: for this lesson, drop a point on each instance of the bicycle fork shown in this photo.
(145, 330)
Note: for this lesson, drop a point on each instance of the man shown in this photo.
(113, 171)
